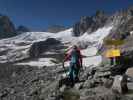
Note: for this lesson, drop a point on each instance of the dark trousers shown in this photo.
(114, 60)
(74, 71)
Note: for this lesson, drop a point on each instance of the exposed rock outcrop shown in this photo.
(42, 46)
(56, 28)
(89, 24)
(7, 28)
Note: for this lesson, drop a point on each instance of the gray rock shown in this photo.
(120, 84)
(108, 83)
(39, 47)
(117, 84)
(89, 24)
(129, 72)
(89, 84)
(71, 94)
(102, 74)
(98, 93)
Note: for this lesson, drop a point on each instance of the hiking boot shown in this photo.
(76, 79)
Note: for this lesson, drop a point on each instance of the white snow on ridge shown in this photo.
(96, 36)
(37, 36)
(31, 36)
(16, 44)
(64, 36)
(41, 62)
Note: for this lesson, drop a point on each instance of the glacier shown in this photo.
(18, 46)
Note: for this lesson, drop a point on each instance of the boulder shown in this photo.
(120, 84)
(89, 84)
(103, 74)
(107, 83)
(71, 94)
(129, 72)
(98, 93)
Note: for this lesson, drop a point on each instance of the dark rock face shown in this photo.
(56, 28)
(124, 84)
(21, 29)
(42, 46)
(126, 20)
(89, 24)
(7, 28)
(123, 24)
(122, 20)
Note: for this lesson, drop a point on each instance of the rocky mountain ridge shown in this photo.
(122, 21)
(7, 28)
(55, 28)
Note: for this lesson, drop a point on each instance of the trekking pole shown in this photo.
(64, 67)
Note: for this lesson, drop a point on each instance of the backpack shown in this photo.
(75, 55)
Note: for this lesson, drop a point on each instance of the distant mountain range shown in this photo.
(56, 28)
(7, 28)
(122, 20)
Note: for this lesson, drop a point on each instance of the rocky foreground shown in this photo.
(32, 83)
